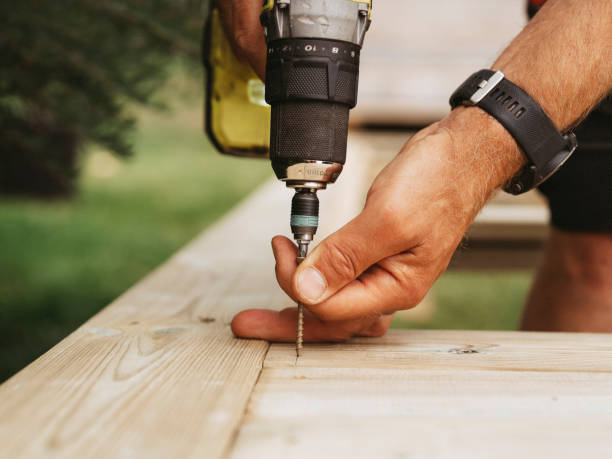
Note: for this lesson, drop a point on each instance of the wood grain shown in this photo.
(158, 373)
(435, 394)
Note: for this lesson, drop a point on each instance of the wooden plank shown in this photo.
(158, 373)
(511, 222)
(435, 394)
(496, 255)
(504, 236)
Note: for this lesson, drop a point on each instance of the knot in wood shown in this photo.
(469, 349)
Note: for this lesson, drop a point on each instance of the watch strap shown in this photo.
(545, 147)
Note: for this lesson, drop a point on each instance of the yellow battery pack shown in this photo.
(237, 118)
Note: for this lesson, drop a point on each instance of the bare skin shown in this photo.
(573, 288)
(388, 257)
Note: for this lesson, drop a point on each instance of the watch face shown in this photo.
(530, 177)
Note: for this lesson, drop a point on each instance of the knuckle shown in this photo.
(418, 293)
(244, 41)
(341, 333)
(341, 259)
(323, 314)
(377, 330)
(339, 336)
(241, 39)
(392, 219)
(413, 295)
(278, 272)
(411, 288)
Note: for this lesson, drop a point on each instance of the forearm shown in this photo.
(563, 58)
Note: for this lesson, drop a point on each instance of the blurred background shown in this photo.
(105, 170)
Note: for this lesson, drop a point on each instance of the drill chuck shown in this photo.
(310, 84)
(312, 70)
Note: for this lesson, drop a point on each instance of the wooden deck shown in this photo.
(158, 373)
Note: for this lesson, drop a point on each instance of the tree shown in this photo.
(67, 69)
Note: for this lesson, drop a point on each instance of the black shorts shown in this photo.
(580, 192)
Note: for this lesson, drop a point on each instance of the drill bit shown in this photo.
(302, 252)
(304, 223)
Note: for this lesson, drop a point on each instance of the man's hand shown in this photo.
(423, 201)
(240, 20)
(387, 258)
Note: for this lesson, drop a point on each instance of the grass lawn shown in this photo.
(474, 301)
(60, 262)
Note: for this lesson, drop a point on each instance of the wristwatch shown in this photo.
(545, 147)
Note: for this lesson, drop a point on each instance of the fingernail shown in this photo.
(311, 284)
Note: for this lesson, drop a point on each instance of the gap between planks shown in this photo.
(234, 437)
(157, 372)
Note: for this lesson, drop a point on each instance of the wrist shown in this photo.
(481, 142)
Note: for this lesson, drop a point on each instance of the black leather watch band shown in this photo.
(545, 147)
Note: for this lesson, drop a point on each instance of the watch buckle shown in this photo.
(486, 86)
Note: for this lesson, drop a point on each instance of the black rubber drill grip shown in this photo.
(311, 85)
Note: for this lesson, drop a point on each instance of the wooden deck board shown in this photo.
(158, 374)
(435, 394)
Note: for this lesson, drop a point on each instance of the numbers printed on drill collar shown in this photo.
(322, 48)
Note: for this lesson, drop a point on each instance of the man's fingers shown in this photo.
(392, 284)
(285, 252)
(248, 34)
(265, 324)
(281, 326)
(369, 295)
(344, 255)
(226, 13)
(378, 328)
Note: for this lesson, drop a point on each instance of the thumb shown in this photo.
(341, 258)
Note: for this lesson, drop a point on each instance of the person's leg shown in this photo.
(572, 290)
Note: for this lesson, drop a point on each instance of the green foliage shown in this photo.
(69, 67)
(61, 261)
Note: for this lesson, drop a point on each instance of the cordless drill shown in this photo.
(312, 71)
